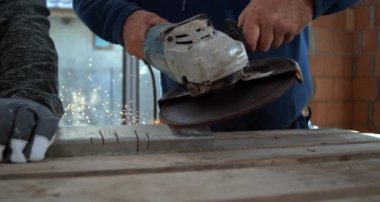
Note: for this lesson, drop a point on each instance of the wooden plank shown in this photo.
(364, 198)
(308, 182)
(95, 140)
(247, 166)
(161, 163)
(285, 133)
(273, 140)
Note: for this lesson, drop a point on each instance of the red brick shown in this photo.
(316, 66)
(362, 127)
(377, 64)
(339, 66)
(350, 19)
(323, 89)
(365, 89)
(339, 125)
(369, 41)
(363, 18)
(361, 112)
(318, 110)
(321, 125)
(364, 65)
(335, 42)
(339, 112)
(376, 114)
(342, 89)
(366, 2)
(335, 21)
(377, 15)
(344, 20)
(331, 66)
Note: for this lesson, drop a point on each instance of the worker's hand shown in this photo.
(135, 28)
(26, 130)
(270, 23)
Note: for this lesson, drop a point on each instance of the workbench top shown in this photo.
(288, 165)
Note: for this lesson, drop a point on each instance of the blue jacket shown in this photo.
(106, 18)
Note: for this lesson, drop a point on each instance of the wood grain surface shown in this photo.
(292, 165)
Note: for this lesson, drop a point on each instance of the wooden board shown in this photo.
(294, 165)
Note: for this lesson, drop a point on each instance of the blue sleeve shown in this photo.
(325, 7)
(105, 17)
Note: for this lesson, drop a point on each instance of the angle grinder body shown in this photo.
(219, 82)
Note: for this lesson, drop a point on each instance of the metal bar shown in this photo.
(126, 139)
(124, 89)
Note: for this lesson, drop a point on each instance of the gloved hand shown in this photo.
(26, 130)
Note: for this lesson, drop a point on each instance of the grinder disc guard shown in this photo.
(263, 81)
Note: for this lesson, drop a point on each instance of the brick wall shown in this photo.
(345, 65)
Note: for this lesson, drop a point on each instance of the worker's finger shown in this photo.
(266, 38)
(153, 20)
(7, 114)
(278, 40)
(241, 18)
(140, 44)
(44, 131)
(135, 28)
(288, 38)
(24, 123)
(157, 20)
(135, 42)
(252, 32)
(135, 50)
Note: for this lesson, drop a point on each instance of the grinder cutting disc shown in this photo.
(264, 81)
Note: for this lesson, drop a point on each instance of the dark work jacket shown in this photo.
(106, 18)
(28, 59)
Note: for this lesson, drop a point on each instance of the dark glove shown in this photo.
(26, 130)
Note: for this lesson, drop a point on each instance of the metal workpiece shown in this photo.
(193, 139)
(91, 140)
(129, 139)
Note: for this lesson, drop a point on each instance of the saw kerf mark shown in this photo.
(147, 140)
(137, 140)
(101, 135)
(116, 135)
